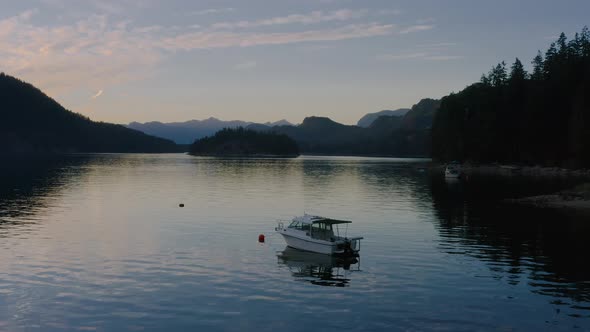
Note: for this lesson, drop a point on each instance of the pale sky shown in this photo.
(265, 60)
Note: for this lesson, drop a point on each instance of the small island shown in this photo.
(242, 142)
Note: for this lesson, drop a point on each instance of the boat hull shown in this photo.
(313, 246)
(320, 238)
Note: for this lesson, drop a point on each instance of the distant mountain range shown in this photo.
(33, 123)
(187, 132)
(369, 118)
(388, 135)
(399, 132)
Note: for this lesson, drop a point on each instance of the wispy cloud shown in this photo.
(311, 18)
(87, 53)
(112, 7)
(246, 65)
(437, 46)
(404, 56)
(420, 55)
(423, 56)
(416, 28)
(444, 57)
(431, 52)
(425, 20)
(211, 11)
(387, 12)
(96, 51)
(98, 94)
(218, 39)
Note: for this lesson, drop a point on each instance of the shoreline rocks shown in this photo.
(577, 198)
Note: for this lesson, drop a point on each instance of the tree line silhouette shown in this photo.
(245, 142)
(33, 123)
(542, 117)
(388, 135)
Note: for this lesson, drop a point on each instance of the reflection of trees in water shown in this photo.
(406, 178)
(379, 183)
(318, 269)
(325, 175)
(547, 248)
(28, 184)
(380, 176)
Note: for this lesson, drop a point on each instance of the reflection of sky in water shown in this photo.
(100, 242)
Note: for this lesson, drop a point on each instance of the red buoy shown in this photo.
(261, 238)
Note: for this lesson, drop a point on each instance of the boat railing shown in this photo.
(281, 225)
(355, 243)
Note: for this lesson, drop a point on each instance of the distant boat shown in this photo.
(453, 171)
(316, 234)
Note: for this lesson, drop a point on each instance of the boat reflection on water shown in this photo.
(319, 269)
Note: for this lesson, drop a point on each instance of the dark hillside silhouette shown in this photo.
(512, 116)
(245, 142)
(32, 122)
(406, 135)
(369, 118)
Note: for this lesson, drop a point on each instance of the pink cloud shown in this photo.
(95, 52)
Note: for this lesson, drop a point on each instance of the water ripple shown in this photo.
(98, 242)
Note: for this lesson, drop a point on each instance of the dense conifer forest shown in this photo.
(245, 142)
(541, 117)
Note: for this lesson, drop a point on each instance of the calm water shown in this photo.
(98, 242)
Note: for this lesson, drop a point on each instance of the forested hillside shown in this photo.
(32, 122)
(245, 142)
(542, 117)
(405, 135)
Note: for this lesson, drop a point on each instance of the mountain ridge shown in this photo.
(187, 132)
(388, 135)
(34, 123)
(366, 120)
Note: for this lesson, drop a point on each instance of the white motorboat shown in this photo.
(453, 171)
(316, 234)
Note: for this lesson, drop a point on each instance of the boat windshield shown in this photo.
(322, 231)
(298, 225)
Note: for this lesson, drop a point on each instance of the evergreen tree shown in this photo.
(537, 62)
(484, 79)
(550, 59)
(575, 46)
(517, 72)
(585, 42)
(562, 45)
(498, 74)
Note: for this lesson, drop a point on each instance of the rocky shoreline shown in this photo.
(576, 198)
(517, 170)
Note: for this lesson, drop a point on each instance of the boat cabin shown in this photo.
(318, 227)
(319, 234)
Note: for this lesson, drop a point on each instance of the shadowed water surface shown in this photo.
(98, 242)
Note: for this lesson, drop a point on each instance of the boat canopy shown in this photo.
(309, 219)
